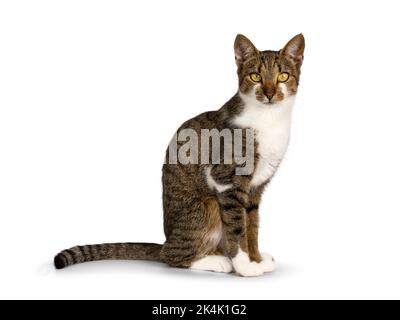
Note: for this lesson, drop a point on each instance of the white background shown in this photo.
(92, 91)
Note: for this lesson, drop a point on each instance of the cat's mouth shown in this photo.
(268, 102)
(265, 100)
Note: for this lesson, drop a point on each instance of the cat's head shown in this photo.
(268, 76)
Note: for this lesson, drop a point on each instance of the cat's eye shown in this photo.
(255, 77)
(283, 77)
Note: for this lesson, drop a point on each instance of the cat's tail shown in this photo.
(109, 251)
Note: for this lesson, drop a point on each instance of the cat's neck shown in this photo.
(257, 115)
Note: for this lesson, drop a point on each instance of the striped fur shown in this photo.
(110, 251)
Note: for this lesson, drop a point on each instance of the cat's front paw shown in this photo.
(268, 263)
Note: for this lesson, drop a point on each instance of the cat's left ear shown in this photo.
(295, 49)
(244, 49)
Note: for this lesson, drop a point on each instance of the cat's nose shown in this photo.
(269, 93)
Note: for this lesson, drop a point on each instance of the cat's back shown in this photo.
(205, 120)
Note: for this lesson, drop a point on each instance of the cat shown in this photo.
(211, 213)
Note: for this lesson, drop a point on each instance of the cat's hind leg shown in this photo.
(195, 238)
(215, 261)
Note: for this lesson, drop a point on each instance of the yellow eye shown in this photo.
(255, 77)
(283, 77)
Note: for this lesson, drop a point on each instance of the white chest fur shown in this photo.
(271, 124)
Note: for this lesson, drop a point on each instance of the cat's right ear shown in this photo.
(295, 49)
(243, 49)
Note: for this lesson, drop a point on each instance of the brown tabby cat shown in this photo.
(211, 211)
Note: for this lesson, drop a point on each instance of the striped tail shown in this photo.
(109, 251)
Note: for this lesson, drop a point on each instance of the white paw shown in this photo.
(244, 267)
(213, 263)
(267, 263)
(251, 269)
